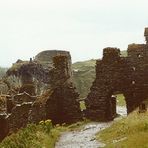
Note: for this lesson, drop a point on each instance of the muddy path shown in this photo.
(85, 138)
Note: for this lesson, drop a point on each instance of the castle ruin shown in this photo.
(114, 74)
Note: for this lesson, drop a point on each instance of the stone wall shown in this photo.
(58, 102)
(61, 100)
(37, 71)
(19, 117)
(127, 75)
(3, 126)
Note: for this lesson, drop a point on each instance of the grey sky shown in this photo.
(84, 27)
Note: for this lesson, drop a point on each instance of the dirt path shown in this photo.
(85, 138)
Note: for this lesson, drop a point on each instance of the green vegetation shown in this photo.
(124, 53)
(82, 105)
(120, 100)
(34, 136)
(43, 135)
(84, 65)
(84, 75)
(127, 133)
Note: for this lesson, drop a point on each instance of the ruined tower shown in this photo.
(62, 105)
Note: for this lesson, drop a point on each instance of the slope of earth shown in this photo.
(130, 132)
(83, 76)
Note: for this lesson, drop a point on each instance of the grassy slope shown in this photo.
(130, 132)
(38, 136)
(84, 75)
(33, 136)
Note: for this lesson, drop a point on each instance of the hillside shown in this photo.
(127, 133)
(84, 75)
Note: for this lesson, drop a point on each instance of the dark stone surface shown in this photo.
(3, 127)
(19, 117)
(37, 72)
(60, 101)
(127, 75)
(62, 106)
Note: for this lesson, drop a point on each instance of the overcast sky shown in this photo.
(84, 27)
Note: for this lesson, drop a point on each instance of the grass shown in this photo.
(34, 136)
(129, 132)
(120, 100)
(43, 135)
(82, 105)
(84, 65)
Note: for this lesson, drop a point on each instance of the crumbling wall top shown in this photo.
(45, 57)
(137, 50)
(110, 54)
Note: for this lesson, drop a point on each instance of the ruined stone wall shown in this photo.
(61, 101)
(46, 57)
(3, 127)
(63, 106)
(127, 75)
(19, 117)
(37, 71)
(58, 102)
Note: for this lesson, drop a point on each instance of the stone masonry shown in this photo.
(63, 106)
(60, 102)
(114, 73)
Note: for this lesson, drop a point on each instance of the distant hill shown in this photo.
(124, 53)
(84, 75)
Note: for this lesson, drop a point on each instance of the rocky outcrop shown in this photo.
(46, 57)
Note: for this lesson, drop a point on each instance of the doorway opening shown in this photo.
(119, 104)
